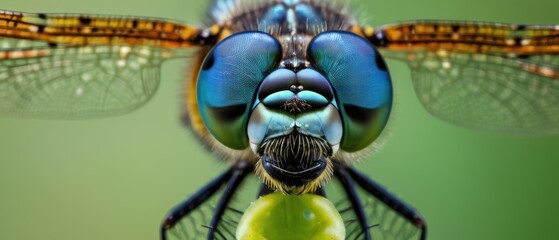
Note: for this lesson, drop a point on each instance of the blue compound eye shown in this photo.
(228, 81)
(361, 83)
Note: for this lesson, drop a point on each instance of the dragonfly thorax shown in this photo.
(286, 17)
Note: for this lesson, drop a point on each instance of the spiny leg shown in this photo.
(188, 206)
(387, 198)
(345, 179)
(240, 171)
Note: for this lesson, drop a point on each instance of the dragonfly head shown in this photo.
(295, 119)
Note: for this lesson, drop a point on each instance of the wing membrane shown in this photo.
(483, 75)
(81, 66)
(78, 82)
(487, 92)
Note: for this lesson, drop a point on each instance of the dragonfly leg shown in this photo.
(387, 198)
(347, 183)
(239, 173)
(179, 212)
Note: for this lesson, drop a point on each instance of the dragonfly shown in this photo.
(441, 56)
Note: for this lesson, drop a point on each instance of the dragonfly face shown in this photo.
(258, 98)
(289, 114)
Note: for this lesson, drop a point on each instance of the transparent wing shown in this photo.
(482, 75)
(79, 82)
(487, 92)
(79, 66)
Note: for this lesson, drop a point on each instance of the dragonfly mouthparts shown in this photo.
(294, 160)
(294, 175)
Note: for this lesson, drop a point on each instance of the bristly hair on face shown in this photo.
(297, 147)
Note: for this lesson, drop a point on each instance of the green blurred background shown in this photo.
(115, 178)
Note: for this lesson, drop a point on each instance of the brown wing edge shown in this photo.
(511, 41)
(83, 30)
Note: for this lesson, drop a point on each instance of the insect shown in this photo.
(77, 89)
